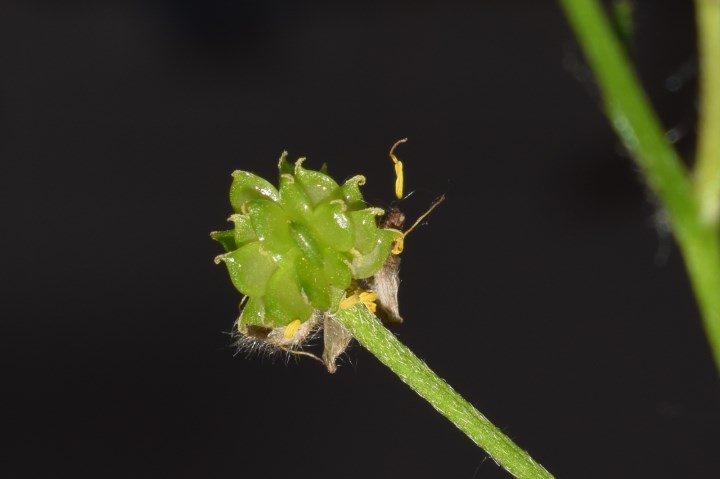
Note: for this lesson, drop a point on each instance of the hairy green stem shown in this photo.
(635, 122)
(415, 373)
(629, 110)
(707, 169)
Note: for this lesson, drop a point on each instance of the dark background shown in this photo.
(545, 289)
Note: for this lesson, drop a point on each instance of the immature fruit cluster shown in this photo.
(296, 249)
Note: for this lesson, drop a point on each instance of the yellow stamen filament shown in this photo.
(292, 328)
(424, 215)
(399, 244)
(399, 177)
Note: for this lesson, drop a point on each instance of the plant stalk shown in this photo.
(635, 122)
(707, 169)
(377, 339)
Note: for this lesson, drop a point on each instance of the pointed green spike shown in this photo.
(284, 166)
(225, 238)
(352, 194)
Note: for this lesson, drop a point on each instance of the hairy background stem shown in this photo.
(635, 122)
(707, 169)
(415, 373)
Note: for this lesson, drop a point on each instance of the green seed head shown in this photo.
(296, 249)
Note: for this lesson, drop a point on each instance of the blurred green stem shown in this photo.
(370, 333)
(707, 170)
(634, 120)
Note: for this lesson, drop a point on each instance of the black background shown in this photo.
(545, 289)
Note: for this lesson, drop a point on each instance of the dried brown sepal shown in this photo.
(269, 341)
(386, 282)
(336, 340)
